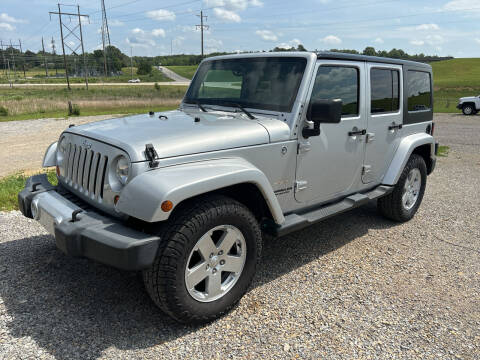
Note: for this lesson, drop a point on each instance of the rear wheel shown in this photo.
(402, 204)
(468, 109)
(208, 259)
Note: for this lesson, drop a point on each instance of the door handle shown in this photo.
(395, 126)
(359, 132)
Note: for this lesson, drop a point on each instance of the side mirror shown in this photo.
(322, 111)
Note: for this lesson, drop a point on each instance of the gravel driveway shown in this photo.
(354, 286)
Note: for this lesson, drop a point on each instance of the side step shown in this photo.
(297, 221)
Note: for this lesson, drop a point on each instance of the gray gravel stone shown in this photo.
(354, 286)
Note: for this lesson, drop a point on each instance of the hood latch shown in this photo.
(151, 155)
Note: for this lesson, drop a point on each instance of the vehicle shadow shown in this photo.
(76, 308)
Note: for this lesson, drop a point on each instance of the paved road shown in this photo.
(172, 75)
(353, 286)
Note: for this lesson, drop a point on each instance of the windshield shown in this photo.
(267, 83)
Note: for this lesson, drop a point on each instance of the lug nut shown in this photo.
(214, 270)
(211, 255)
(208, 266)
(222, 262)
(220, 252)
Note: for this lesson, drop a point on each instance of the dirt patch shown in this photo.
(23, 143)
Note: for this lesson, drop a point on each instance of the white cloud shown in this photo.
(213, 45)
(161, 15)
(136, 41)
(427, 27)
(332, 40)
(227, 10)
(227, 15)
(115, 22)
(464, 5)
(158, 32)
(434, 39)
(7, 27)
(378, 40)
(138, 31)
(7, 18)
(477, 40)
(290, 44)
(417, 42)
(267, 35)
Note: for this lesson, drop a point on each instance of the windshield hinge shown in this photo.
(151, 155)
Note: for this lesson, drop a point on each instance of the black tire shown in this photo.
(165, 279)
(391, 206)
(468, 109)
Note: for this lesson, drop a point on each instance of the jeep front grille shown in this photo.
(85, 170)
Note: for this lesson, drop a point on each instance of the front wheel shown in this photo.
(468, 109)
(208, 259)
(402, 204)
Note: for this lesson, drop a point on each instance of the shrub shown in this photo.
(3, 111)
(156, 86)
(73, 109)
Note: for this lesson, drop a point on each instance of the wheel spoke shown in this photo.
(233, 264)
(206, 246)
(405, 198)
(196, 275)
(214, 284)
(228, 239)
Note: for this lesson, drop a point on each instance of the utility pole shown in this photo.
(105, 37)
(54, 57)
(45, 59)
(201, 26)
(3, 57)
(71, 32)
(23, 63)
(131, 62)
(13, 59)
(83, 49)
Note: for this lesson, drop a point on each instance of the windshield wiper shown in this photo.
(250, 116)
(199, 104)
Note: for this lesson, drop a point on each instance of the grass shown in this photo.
(36, 76)
(454, 79)
(46, 102)
(186, 71)
(11, 185)
(443, 150)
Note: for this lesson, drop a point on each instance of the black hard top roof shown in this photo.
(377, 59)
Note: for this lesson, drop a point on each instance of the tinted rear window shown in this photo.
(385, 91)
(419, 91)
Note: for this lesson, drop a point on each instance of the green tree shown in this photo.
(370, 51)
(144, 67)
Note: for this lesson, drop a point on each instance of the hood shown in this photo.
(180, 134)
(469, 98)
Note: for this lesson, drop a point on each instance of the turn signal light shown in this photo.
(167, 206)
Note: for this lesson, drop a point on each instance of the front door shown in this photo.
(329, 166)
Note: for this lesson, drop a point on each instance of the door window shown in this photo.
(385, 91)
(338, 82)
(419, 91)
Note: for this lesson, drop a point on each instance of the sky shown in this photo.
(162, 27)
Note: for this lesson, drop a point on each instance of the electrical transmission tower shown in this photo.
(73, 32)
(105, 37)
(201, 26)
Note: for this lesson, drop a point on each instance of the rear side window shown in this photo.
(338, 82)
(419, 91)
(385, 91)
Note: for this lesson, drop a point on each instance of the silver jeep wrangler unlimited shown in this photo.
(261, 143)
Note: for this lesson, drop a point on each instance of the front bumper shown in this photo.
(86, 233)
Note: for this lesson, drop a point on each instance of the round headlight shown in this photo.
(122, 170)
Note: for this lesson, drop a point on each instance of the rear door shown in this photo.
(385, 119)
